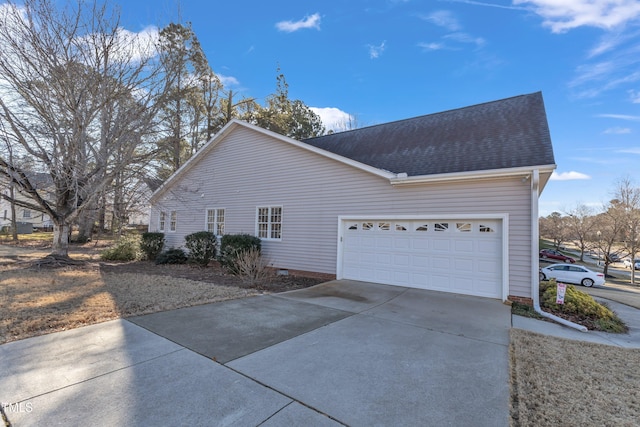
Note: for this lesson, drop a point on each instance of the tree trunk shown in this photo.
(61, 233)
(86, 223)
(14, 222)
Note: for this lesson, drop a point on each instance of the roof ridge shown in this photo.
(426, 115)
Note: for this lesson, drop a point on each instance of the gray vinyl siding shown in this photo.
(248, 169)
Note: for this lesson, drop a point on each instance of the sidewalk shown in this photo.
(630, 315)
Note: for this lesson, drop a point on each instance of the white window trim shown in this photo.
(162, 222)
(173, 225)
(215, 220)
(270, 207)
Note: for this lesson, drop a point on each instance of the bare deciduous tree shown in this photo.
(579, 222)
(77, 95)
(627, 197)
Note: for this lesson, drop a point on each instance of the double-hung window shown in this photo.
(269, 222)
(173, 223)
(215, 221)
(162, 221)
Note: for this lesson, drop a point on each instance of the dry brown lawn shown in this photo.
(559, 382)
(36, 302)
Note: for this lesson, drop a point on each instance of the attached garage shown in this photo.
(461, 255)
(445, 201)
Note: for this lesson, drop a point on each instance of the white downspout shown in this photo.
(535, 259)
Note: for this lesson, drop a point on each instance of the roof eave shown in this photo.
(402, 179)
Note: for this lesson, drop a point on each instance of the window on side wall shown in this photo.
(174, 221)
(161, 221)
(269, 222)
(215, 221)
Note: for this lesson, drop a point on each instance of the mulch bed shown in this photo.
(213, 273)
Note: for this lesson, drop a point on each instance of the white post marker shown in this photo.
(561, 289)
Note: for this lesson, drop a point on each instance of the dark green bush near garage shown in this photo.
(151, 244)
(202, 247)
(172, 256)
(232, 245)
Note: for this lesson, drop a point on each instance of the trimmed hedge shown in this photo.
(234, 244)
(201, 247)
(172, 256)
(151, 244)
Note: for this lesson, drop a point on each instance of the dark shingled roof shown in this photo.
(508, 133)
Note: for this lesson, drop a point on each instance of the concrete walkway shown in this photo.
(341, 353)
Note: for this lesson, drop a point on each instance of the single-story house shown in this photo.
(446, 201)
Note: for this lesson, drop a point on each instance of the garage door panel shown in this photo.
(488, 266)
(462, 256)
(441, 263)
(401, 260)
(419, 243)
(401, 278)
(440, 282)
(401, 243)
(462, 285)
(441, 245)
(463, 265)
(385, 242)
(464, 245)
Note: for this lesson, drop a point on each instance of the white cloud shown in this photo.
(564, 15)
(137, 46)
(465, 38)
(312, 21)
(333, 118)
(630, 151)
(568, 176)
(228, 80)
(620, 117)
(481, 3)
(376, 51)
(635, 96)
(443, 18)
(617, 131)
(432, 46)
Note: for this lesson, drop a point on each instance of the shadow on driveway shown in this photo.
(339, 353)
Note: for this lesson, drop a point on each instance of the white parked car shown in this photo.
(571, 273)
(636, 264)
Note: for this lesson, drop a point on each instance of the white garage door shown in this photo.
(461, 256)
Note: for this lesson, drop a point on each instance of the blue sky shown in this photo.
(384, 60)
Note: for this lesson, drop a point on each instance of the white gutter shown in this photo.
(402, 178)
(535, 258)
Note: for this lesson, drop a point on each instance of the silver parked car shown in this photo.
(571, 273)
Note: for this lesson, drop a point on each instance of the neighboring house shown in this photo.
(446, 201)
(23, 215)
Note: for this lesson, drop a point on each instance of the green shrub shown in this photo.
(127, 248)
(171, 256)
(151, 244)
(234, 244)
(202, 247)
(580, 307)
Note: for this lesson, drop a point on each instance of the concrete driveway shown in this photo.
(344, 352)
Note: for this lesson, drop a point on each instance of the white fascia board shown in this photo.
(462, 176)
